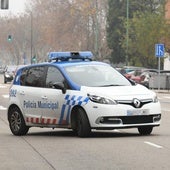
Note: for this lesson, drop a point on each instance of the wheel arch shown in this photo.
(16, 121)
(11, 107)
(74, 112)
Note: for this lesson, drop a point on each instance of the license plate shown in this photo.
(137, 112)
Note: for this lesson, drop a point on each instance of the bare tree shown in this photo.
(55, 25)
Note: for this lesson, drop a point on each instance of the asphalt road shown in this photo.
(59, 149)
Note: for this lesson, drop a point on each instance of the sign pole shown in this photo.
(159, 73)
(159, 52)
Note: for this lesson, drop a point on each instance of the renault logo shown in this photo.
(136, 103)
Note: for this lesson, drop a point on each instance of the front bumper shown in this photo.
(117, 116)
(128, 120)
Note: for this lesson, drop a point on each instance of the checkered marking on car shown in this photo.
(37, 120)
(70, 101)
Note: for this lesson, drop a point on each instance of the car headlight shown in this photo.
(101, 100)
(7, 75)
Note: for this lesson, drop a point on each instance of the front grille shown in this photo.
(125, 120)
(131, 103)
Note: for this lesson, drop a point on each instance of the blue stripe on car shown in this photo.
(71, 101)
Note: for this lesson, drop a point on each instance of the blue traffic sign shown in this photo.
(159, 50)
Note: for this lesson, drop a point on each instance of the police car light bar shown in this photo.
(65, 56)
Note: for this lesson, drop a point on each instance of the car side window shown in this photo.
(23, 77)
(33, 77)
(53, 76)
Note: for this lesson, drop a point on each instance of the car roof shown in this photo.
(66, 63)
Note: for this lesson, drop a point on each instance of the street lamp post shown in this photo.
(97, 32)
(127, 31)
(31, 35)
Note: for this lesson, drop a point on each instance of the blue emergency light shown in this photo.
(65, 56)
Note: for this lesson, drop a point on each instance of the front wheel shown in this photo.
(83, 128)
(145, 130)
(17, 123)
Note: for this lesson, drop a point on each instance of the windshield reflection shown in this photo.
(96, 76)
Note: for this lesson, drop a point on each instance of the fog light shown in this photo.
(157, 118)
(115, 120)
(101, 120)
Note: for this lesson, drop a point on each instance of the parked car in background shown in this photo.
(146, 75)
(142, 76)
(121, 70)
(167, 72)
(9, 73)
(135, 74)
(129, 69)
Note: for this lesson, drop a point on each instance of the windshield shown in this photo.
(96, 75)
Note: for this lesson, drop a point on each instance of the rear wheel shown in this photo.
(83, 128)
(145, 130)
(17, 123)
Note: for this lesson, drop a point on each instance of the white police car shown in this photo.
(72, 91)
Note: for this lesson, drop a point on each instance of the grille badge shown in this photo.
(136, 103)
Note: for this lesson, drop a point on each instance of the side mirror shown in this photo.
(60, 85)
(132, 82)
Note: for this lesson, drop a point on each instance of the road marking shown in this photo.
(5, 96)
(154, 145)
(3, 108)
(1, 86)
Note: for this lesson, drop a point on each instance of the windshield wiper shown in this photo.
(108, 85)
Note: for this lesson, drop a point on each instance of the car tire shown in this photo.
(16, 122)
(145, 130)
(83, 128)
